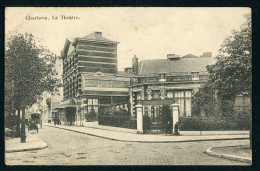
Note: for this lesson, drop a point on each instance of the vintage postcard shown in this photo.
(128, 86)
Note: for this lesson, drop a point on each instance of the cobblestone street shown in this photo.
(70, 148)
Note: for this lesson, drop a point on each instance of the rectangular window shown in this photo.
(89, 101)
(149, 96)
(195, 75)
(187, 93)
(95, 109)
(95, 101)
(188, 103)
(139, 96)
(169, 94)
(156, 95)
(179, 98)
(89, 108)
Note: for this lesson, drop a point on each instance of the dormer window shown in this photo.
(162, 77)
(195, 75)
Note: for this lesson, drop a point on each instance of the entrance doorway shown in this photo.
(70, 115)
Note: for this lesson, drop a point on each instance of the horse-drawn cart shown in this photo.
(34, 122)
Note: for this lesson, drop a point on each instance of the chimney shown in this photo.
(135, 65)
(206, 54)
(98, 35)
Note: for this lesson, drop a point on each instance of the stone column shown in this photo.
(139, 118)
(131, 102)
(175, 113)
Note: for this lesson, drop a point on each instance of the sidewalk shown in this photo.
(130, 135)
(237, 153)
(32, 143)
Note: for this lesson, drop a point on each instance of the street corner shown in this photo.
(236, 153)
(32, 143)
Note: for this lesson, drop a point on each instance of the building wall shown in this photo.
(153, 92)
(87, 57)
(90, 76)
(97, 57)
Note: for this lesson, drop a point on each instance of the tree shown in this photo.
(166, 117)
(205, 99)
(232, 73)
(28, 71)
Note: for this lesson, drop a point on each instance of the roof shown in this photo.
(190, 56)
(64, 104)
(94, 36)
(171, 66)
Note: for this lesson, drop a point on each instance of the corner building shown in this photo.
(90, 78)
(166, 81)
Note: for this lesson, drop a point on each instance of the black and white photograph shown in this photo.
(165, 86)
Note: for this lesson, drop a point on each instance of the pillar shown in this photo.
(131, 102)
(175, 113)
(139, 118)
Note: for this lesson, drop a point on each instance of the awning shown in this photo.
(64, 104)
(54, 111)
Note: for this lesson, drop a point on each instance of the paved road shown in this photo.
(70, 148)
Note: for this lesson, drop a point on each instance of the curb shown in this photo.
(43, 145)
(28, 149)
(147, 141)
(226, 156)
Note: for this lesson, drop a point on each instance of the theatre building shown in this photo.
(167, 81)
(91, 79)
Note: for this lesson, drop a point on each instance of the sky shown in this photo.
(148, 33)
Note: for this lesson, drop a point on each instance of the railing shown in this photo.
(169, 78)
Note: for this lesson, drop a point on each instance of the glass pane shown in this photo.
(179, 94)
(89, 108)
(89, 101)
(187, 93)
(96, 109)
(182, 107)
(95, 101)
(169, 94)
(188, 107)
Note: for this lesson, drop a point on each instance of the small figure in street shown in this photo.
(176, 129)
(168, 127)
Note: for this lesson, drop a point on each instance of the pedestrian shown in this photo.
(176, 129)
(168, 127)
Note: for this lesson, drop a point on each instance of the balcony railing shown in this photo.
(169, 78)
